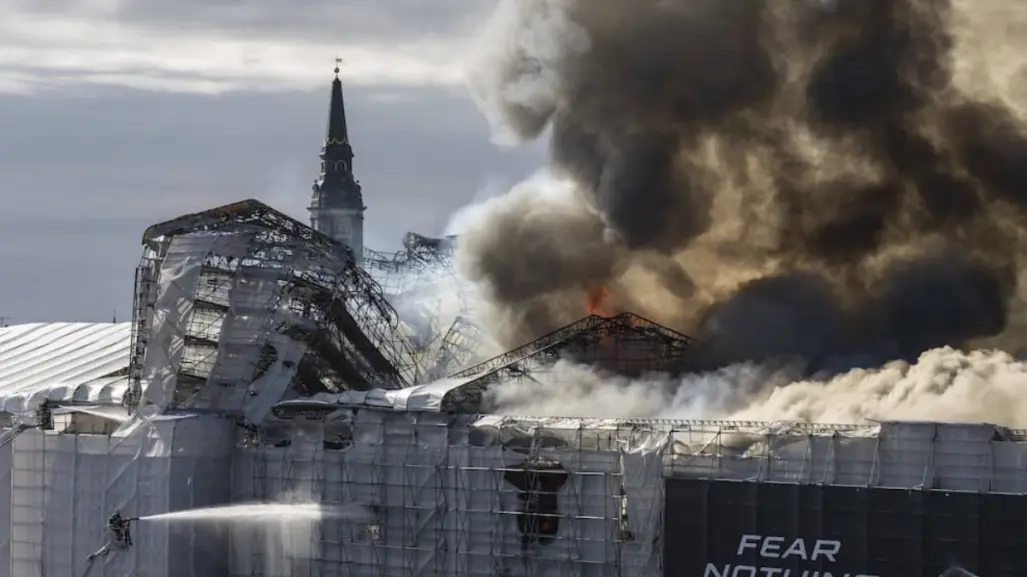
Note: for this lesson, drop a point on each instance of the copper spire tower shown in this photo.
(337, 204)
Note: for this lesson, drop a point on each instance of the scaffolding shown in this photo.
(460, 347)
(483, 495)
(486, 495)
(435, 306)
(243, 305)
(270, 343)
(58, 490)
(450, 500)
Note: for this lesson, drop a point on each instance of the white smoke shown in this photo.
(575, 390)
(944, 384)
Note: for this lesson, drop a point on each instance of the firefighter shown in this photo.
(117, 535)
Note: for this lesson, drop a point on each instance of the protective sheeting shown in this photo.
(270, 387)
(214, 329)
(450, 500)
(232, 276)
(908, 455)
(251, 309)
(455, 495)
(82, 362)
(427, 397)
(449, 493)
(176, 284)
(59, 490)
(7, 506)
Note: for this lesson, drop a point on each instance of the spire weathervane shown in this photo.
(338, 61)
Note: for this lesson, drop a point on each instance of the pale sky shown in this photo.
(115, 114)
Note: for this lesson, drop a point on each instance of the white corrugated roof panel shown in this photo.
(63, 361)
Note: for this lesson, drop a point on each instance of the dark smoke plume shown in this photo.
(779, 178)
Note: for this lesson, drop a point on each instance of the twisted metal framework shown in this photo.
(434, 305)
(313, 293)
(460, 347)
(626, 344)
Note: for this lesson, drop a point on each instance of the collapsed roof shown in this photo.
(626, 344)
(434, 304)
(240, 306)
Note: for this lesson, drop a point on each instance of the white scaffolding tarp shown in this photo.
(427, 397)
(61, 489)
(443, 503)
(83, 362)
(437, 487)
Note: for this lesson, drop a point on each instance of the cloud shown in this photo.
(218, 46)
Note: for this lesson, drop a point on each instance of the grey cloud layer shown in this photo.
(347, 20)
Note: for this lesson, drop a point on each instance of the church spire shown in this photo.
(337, 132)
(337, 204)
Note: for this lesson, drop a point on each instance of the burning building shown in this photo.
(263, 365)
(269, 361)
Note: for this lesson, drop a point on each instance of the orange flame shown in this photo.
(595, 298)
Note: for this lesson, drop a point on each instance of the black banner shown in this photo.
(746, 529)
